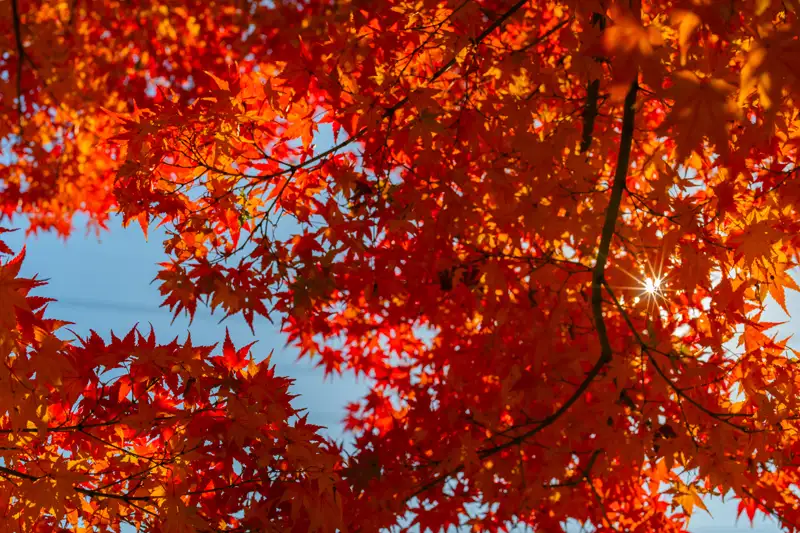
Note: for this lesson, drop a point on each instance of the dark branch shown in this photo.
(592, 94)
(589, 114)
(122, 497)
(620, 177)
(544, 36)
(20, 56)
(14, 473)
(598, 279)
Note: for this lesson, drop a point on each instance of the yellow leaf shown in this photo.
(222, 84)
(754, 77)
(687, 23)
(628, 37)
(688, 499)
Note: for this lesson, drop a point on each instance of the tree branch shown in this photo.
(14, 473)
(769, 509)
(592, 95)
(20, 57)
(589, 114)
(612, 212)
(646, 349)
(598, 273)
(544, 36)
(598, 279)
(122, 497)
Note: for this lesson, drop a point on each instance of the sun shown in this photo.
(652, 285)
(652, 289)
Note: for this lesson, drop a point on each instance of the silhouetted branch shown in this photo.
(598, 280)
(20, 56)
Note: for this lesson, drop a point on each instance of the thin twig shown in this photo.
(722, 417)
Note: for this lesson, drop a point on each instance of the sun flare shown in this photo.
(652, 286)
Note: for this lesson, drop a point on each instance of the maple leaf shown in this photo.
(777, 281)
(749, 506)
(631, 44)
(232, 358)
(13, 290)
(770, 66)
(4, 248)
(687, 22)
(757, 241)
(688, 499)
(703, 108)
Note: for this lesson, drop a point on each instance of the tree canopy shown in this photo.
(544, 231)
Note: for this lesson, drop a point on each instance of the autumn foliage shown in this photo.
(544, 231)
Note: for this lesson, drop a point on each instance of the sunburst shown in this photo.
(652, 284)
